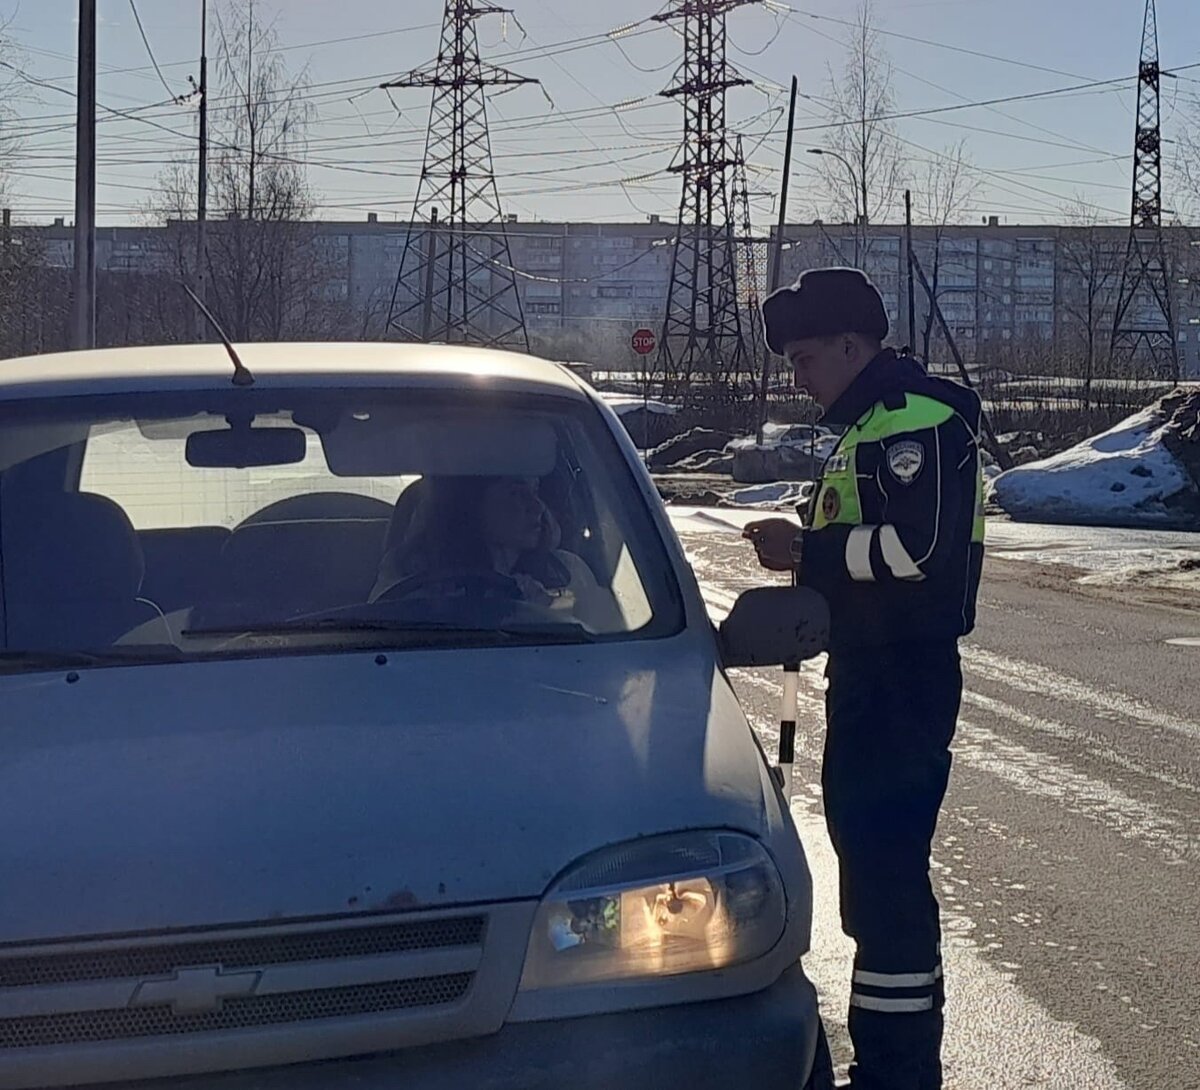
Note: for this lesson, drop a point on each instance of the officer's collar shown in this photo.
(870, 385)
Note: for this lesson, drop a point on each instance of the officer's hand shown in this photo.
(772, 540)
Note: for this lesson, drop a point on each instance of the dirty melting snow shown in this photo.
(1123, 476)
(768, 495)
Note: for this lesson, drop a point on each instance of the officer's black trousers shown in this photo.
(891, 717)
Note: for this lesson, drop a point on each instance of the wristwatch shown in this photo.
(797, 549)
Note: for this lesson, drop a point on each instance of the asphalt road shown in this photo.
(1067, 859)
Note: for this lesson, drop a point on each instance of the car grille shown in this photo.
(301, 975)
(256, 951)
(79, 1027)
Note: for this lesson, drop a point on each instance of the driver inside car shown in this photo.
(493, 526)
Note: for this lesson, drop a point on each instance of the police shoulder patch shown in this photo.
(905, 460)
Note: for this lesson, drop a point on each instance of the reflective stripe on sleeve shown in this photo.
(896, 556)
(858, 554)
(891, 1006)
(897, 980)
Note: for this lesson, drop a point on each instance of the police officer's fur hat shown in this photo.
(824, 303)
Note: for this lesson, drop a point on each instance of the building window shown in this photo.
(544, 308)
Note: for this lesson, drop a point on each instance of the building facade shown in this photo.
(585, 286)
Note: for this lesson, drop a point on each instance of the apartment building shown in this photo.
(585, 286)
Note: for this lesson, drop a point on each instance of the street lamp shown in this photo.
(860, 217)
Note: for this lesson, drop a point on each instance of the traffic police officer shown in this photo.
(894, 541)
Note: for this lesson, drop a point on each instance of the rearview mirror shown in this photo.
(246, 448)
(775, 626)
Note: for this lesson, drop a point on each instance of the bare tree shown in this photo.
(268, 276)
(1185, 166)
(863, 164)
(21, 257)
(947, 188)
(1091, 259)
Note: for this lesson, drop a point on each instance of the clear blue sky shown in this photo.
(1031, 158)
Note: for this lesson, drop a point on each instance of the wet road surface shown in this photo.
(1067, 859)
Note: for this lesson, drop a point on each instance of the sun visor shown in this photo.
(456, 444)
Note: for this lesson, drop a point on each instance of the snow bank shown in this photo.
(1125, 476)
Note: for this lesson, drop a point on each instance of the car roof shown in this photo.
(208, 366)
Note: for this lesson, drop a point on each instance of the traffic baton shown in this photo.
(788, 713)
(787, 726)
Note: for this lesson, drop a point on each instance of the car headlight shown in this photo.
(682, 903)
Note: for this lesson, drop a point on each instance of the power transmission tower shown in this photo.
(751, 268)
(1144, 324)
(702, 332)
(456, 281)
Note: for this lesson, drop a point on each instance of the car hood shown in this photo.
(223, 792)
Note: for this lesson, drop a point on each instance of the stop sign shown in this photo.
(644, 342)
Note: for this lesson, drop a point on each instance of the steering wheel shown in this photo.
(474, 584)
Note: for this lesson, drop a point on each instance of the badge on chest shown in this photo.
(905, 460)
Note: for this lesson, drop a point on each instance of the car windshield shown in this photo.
(155, 527)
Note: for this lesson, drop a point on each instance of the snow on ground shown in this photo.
(1113, 557)
(1120, 477)
(780, 493)
(1092, 548)
(707, 520)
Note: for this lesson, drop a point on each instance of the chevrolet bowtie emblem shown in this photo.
(195, 991)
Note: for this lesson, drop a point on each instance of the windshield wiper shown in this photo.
(420, 632)
(13, 662)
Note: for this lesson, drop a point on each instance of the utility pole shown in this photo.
(908, 250)
(777, 256)
(777, 260)
(1144, 324)
(202, 181)
(430, 266)
(83, 319)
(464, 288)
(702, 330)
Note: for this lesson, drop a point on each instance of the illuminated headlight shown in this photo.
(684, 903)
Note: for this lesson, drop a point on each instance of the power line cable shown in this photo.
(964, 98)
(150, 52)
(792, 13)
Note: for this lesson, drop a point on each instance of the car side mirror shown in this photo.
(775, 626)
